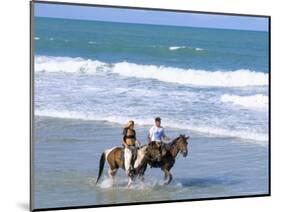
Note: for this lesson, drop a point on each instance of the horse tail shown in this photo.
(102, 161)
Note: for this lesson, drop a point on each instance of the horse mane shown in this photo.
(173, 142)
(177, 138)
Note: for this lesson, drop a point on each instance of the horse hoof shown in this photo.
(167, 182)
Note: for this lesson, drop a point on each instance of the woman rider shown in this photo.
(129, 142)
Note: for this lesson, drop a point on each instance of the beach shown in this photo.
(90, 79)
(67, 156)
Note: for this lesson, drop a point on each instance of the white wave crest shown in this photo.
(199, 49)
(252, 136)
(237, 78)
(67, 64)
(172, 48)
(257, 101)
(91, 42)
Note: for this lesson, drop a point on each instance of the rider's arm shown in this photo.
(124, 138)
(125, 144)
(138, 143)
(148, 138)
(149, 135)
(165, 137)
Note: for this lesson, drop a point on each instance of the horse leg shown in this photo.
(141, 177)
(141, 174)
(168, 176)
(130, 180)
(111, 173)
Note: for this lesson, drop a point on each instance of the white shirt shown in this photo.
(156, 133)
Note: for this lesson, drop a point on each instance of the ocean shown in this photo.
(211, 84)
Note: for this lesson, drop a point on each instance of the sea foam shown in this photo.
(256, 137)
(193, 77)
(172, 48)
(257, 101)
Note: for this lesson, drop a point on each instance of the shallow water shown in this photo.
(66, 164)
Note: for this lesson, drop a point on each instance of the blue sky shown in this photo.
(150, 17)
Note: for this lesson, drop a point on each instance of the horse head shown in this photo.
(182, 144)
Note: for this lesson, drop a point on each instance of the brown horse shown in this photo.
(169, 151)
(115, 160)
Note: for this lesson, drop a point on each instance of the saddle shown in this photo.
(164, 148)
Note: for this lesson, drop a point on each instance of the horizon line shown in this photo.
(153, 24)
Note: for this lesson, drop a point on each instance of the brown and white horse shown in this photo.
(115, 160)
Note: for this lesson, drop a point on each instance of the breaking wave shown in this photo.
(257, 101)
(193, 77)
(173, 48)
(259, 138)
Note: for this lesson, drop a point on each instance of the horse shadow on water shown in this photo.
(204, 182)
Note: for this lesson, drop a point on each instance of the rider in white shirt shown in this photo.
(156, 133)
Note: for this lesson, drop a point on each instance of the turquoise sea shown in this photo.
(91, 77)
